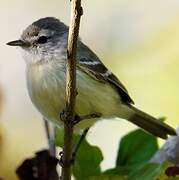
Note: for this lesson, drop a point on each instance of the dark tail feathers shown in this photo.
(151, 124)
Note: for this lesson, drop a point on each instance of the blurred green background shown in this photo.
(138, 40)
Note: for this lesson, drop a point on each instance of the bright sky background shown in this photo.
(138, 40)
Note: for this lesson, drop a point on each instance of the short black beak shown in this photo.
(18, 43)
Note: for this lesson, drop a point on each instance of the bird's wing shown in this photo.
(90, 63)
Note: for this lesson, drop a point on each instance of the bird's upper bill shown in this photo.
(20, 43)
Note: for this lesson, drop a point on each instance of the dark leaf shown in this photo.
(172, 171)
(40, 167)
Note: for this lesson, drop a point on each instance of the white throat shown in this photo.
(46, 53)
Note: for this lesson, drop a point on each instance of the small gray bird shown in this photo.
(44, 48)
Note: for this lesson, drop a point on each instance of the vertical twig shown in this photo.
(50, 133)
(76, 12)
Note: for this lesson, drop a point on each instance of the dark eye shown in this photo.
(42, 39)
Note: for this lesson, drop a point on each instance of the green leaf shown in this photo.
(59, 134)
(88, 159)
(120, 170)
(150, 171)
(107, 177)
(136, 148)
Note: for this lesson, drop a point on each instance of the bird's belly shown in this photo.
(47, 92)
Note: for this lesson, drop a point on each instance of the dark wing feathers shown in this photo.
(121, 88)
(90, 63)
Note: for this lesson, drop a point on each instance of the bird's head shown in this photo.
(43, 40)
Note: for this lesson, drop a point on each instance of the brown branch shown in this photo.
(69, 112)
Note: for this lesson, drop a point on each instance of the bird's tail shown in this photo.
(150, 124)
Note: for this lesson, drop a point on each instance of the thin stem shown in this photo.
(76, 148)
(50, 130)
(69, 112)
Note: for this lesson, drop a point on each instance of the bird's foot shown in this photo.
(78, 118)
(64, 115)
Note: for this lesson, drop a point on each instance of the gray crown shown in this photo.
(48, 23)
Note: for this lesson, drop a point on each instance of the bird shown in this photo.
(44, 48)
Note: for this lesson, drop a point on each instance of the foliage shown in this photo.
(134, 153)
(40, 167)
(87, 162)
(132, 162)
(139, 143)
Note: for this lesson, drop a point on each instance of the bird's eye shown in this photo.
(42, 39)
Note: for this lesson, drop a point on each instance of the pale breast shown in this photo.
(46, 89)
(46, 86)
